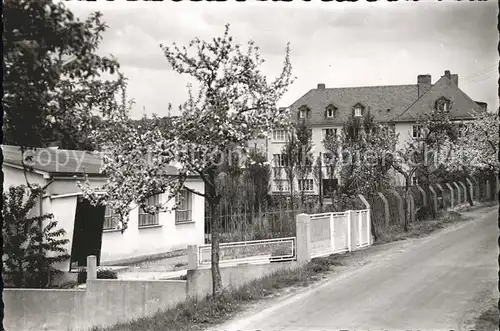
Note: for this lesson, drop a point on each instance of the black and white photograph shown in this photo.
(250, 165)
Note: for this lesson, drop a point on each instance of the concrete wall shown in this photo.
(199, 281)
(38, 310)
(113, 301)
(104, 302)
(107, 302)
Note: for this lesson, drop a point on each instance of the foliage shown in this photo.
(362, 150)
(475, 148)
(101, 274)
(233, 104)
(53, 89)
(32, 244)
(298, 155)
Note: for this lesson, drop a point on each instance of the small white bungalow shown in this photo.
(91, 230)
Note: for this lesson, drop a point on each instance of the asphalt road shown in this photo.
(423, 284)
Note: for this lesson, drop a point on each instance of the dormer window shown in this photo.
(358, 110)
(303, 112)
(442, 105)
(331, 111)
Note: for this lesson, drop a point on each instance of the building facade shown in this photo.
(325, 110)
(95, 230)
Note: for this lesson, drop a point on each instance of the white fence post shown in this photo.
(303, 242)
(192, 257)
(349, 224)
(369, 226)
(91, 267)
(332, 232)
(360, 228)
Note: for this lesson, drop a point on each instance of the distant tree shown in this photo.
(258, 175)
(234, 104)
(332, 157)
(305, 156)
(53, 89)
(359, 157)
(32, 244)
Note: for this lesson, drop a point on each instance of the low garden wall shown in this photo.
(200, 280)
(103, 302)
(39, 309)
(108, 301)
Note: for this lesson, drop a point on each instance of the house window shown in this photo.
(279, 160)
(417, 131)
(111, 219)
(147, 219)
(303, 112)
(183, 213)
(414, 180)
(331, 111)
(358, 110)
(281, 185)
(329, 133)
(279, 135)
(306, 185)
(442, 105)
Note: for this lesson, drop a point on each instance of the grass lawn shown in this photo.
(488, 321)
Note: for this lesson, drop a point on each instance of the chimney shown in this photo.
(321, 86)
(423, 83)
(454, 79)
(447, 73)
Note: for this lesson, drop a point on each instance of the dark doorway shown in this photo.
(329, 186)
(87, 235)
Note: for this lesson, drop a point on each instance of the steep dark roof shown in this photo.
(376, 99)
(60, 162)
(396, 103)
(461, 104)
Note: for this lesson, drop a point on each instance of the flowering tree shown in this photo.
(233, 104)
(421, 155)
(476, 147)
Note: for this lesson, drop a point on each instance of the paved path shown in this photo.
(423, 284)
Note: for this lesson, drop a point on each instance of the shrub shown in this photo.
(82, 276)
(101, 274)
(32, 243)
(106, 274)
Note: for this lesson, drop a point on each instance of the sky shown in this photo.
(338, 44)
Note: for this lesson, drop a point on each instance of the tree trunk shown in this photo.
(320, 188)
(215, 233)
(372, 222)
(468, 189)
(406, 205)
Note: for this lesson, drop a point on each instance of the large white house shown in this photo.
(93, 230)
(325, 110)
